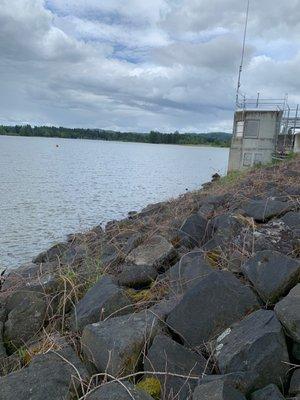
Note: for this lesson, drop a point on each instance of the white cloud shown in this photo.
(131, 64)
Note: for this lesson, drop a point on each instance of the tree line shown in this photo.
(221, 139)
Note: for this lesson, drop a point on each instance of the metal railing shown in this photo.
(245, 103)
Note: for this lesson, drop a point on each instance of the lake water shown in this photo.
(47, 191)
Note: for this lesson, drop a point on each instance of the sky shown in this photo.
(143, 65)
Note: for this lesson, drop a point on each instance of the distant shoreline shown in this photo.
(213, 139)
(122, 141)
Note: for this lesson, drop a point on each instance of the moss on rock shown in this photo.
(152, 386)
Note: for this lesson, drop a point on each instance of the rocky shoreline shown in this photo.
(195, 298)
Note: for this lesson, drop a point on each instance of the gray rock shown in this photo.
(270, 392)
(3, 310)
(256, 344)
(2, 347)
(217, 200)
(206, 210)
(11, 363)
(295, 383)
(225, 228)
(288, 313)
(163, 308)
(115, 345)
(55, 253)
(272, 274)
(37, 277)
(217, 390)
(128, 241)
(191, 268)
(115, 250)
(110, 255)
(48, 377)
(137, 275)
(105, 298)
(292, 190)
(292, 173)
(274, 235)
(242, 381)
(194, 230)
(26, 316)
(117, 391)
(263, 210)
(292, 220)
(165, 355)
(152, 209)
(157, 252)
(296, 351)
(234, 261)
(64, 253)
(223, 299)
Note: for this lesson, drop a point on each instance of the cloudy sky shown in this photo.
(142, 64)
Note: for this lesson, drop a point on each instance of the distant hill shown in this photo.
(221, 139)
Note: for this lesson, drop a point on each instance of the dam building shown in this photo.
(263, 130)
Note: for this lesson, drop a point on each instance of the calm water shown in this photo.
(47, 192)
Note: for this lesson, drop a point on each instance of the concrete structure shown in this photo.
(255, 133)
(297, 142)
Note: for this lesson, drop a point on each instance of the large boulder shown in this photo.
(217, 390)
(162, 308)
(62, 253)
(263, 210)
(256, 344)
(2, 347)
(242, 381)
(49, 376)
(210, 306)
(36, 277)
(270, 392)
(115, 249)
(26, 316)
(296, 350)
(116, 345)
(272, 274)
(118, 391)
(295, 383)
(274, 235)
(110, 254)
(206, 210)
(105, 298)
(288, 313)
(191, 268)
(157, 252)
(218, 200)
(137, 276)
(194, 231)
(292, 220)
(169, 357)
(225, 228)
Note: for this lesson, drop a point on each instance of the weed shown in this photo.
(150, 385)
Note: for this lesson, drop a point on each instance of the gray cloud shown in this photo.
(168, 64)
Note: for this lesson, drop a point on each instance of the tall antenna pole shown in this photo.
(243, 54)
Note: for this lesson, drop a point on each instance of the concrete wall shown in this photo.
(252, 150)
(297, 143)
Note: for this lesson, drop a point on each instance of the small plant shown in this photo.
(213, 257)
(152, 386)
(156, 292)
(137, 296)
(231, 178)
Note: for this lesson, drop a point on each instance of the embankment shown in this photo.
(194, 298)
